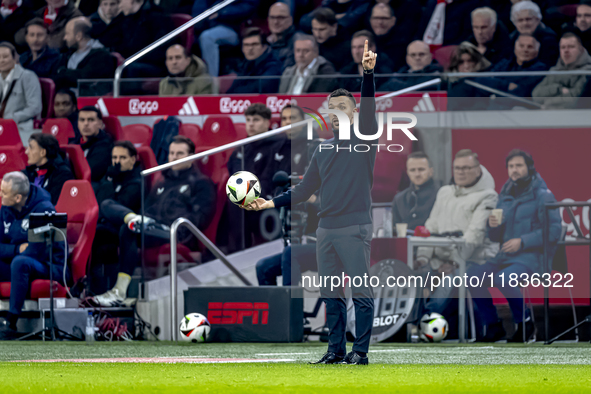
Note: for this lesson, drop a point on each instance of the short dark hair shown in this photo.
(6, 44)
(295, 107)
(258, 109)
(467, 153)
(570, 34)
(529, 160)
(419, 155)
(325, 15)
(306, 37)
(35, 22)
(255, 31)
(185, 51)
(181, 139)
(69, 93)
(47, 142)
(340, 92)
(371, 40)
(127, 145)
(91, 108)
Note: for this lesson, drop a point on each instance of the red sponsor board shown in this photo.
(237, 104)
(561, 157)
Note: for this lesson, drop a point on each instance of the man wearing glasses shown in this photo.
(282, 31)
(464, 206)
(418, 61)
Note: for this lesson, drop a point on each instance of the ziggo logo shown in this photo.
(137, 107)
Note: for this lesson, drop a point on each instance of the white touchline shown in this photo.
(389, 350)
(279, 354)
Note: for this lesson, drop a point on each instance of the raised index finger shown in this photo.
(366, 47)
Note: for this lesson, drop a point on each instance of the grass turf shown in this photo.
(399, 368)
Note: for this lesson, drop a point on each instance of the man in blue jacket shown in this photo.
(522, 200)
(344, 177)
(20, 262)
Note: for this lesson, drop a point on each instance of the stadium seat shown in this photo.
(120, 59)
(215, 168)
(569, 10)
(78, 161)
(10, 136)
(191, 131)
(186, 36)
(137, 134)
(218, 130)
(443, 55)
(389, 168)
(47, 96)
(78, 201)
(113, 127)
(10, 160)
(60, 128)
(147, 160)
(275, 122)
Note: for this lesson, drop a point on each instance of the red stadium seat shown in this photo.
(569, 10)
(120, 59)
(137, 134)
(60, 128)
(78, 161)
(10, 160)
(186, 36)
(113, 127)
(147, 160)
(47, 96)
(10, 136)
(275, 122)
(191, 131)
(78, 201)
(215, 168)
(443, 55)
(218, 130)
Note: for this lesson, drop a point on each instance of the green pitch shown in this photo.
(394, 368)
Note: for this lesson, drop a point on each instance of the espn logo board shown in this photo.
(250, 314)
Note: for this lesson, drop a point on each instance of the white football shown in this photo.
(434, 327)
(243, 188)
(194, 328)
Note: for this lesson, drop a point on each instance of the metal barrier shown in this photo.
(162, 40)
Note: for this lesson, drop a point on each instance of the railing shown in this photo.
(184, 222)
(162, 40)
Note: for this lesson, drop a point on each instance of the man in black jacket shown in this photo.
(46, 166)
(413, 205)
(344, 177)
(40, 58)
(490, 36)
(121, 186)
(86, 59)
(95, 142)
(333, 46)
(182, 192)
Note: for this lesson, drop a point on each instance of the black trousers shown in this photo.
(346, 250)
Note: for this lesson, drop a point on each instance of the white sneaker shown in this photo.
(111, 298)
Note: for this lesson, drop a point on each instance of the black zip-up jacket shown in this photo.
(123, 187)
(97, 151)
(344, 178)
(58, 172)
(413, 205)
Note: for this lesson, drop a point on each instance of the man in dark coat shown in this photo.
(282, 30)
(489, 35)
(520, 232)
(95, 142)
(14, 14)
(40, 58)
(46, 166)
(333, 45)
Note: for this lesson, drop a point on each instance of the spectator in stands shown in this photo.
(296, 145)
(182, 192)
(303, 76)
(332, 47)
(389, 40)
(102, 29)
(384, 66)
(187, 74)
(40, 58)
(121, 187)
(95, 142)
(259, 61)
(490, 37)
(21, 262)
(463, 206)
(222, 28)
(350, 15)
(413, 205)
(55, 15)
(282, 31)
(583, 24)
(456, 23)
(20, 88)
(14, 14)
(525, 58)
(418, 61)
(86, 59)
(46, 165)
(65, 105)
(466, 59)
(522, 200)
(558, 91)
(527, 18)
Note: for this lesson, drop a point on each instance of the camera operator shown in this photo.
(21, 262)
